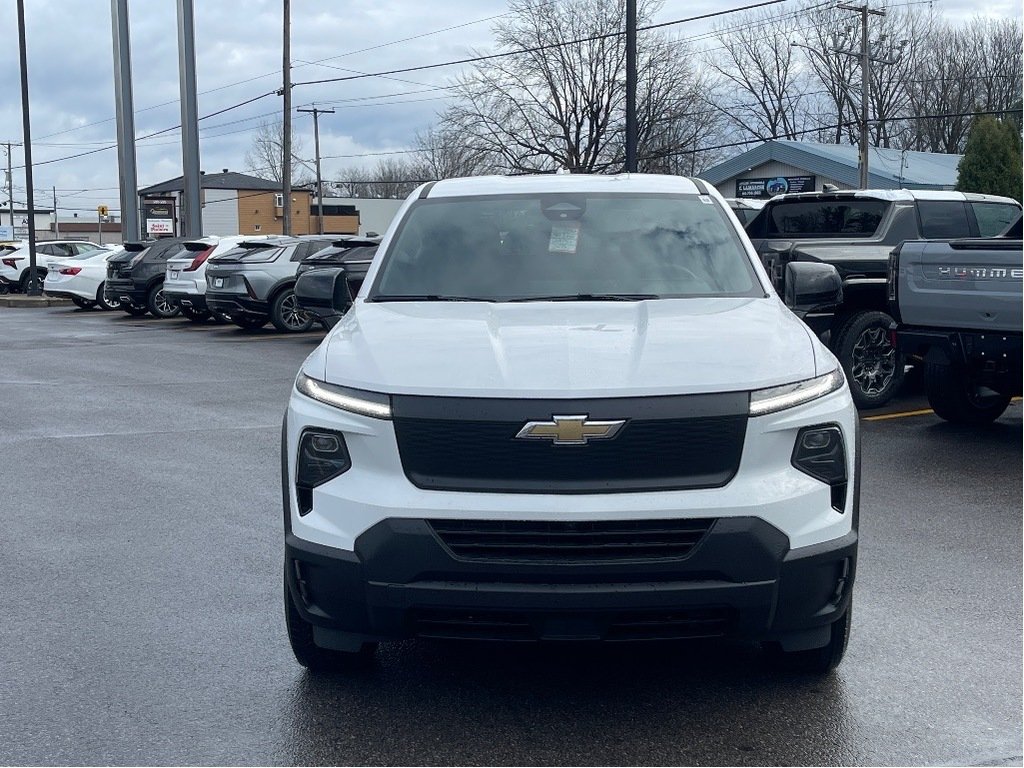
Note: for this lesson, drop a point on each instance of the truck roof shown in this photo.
(907, 195)
(560, 182)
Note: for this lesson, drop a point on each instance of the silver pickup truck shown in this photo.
(957, 305)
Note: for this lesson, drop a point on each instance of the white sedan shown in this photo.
(80, 278)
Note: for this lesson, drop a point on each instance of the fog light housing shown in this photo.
(322, 456)
(821, 453)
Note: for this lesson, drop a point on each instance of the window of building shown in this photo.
(279, 200)
(256, 227)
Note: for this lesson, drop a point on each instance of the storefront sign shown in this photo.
(774, 186)
(158, 217)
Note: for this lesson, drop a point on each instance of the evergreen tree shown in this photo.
(992, 159)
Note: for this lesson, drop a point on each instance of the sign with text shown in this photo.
(158, 217)
(778, 185)
(6, 233)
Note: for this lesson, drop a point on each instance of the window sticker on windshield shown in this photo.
(705, 199)
(564, 237)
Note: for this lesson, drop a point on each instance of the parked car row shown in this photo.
(16, 258)
(246, 280)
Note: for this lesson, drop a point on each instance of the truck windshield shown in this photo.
(820, 218)
(564, 247)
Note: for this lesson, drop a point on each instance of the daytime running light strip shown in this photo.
(325, 393)
(764, 401)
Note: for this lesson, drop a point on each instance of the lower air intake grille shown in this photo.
(571, 542)
(681, 624)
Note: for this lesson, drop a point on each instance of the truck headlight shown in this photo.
(370, 404)
(774, 399)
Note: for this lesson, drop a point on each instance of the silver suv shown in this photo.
(254, 282)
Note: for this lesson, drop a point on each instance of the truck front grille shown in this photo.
(570, 542)
(672, 443)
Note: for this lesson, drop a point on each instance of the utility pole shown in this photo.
(631, 128)
(56, 216)
(10, 185)
(34, 288)
(286, 91)
(125, 115)
(316, 141)
(193, 217)
(864, 54)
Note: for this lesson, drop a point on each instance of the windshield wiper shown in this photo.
(588, 297)
(423, 297)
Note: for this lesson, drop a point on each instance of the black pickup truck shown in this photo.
(957, 306)
(855, 231)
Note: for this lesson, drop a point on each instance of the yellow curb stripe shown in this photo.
(885, 416)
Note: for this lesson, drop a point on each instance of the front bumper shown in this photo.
(740, 581)
(235, 304)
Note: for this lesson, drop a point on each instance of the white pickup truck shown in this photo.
(569, 408)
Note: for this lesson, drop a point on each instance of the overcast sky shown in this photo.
(238, 48)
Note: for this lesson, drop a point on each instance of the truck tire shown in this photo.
(873, 367)
(953, 398)
(313, 657)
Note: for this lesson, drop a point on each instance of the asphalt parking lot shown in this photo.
(141, 593)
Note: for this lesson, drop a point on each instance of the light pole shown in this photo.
(34, 288)
(286, 138)
(631, 127)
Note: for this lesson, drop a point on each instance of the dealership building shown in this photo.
(781, 165)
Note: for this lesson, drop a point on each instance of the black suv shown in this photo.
(136, 277)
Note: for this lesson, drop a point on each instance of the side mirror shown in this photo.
(323, 292)
(812, 286)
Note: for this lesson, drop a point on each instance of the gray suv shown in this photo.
(254, 283)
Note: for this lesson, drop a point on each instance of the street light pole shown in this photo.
(34, 289)
(316, 141)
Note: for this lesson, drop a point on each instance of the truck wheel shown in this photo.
(313, 657)
(817, 661)
(287, 316)
(159, 305)
(871, 363)
(954, 398)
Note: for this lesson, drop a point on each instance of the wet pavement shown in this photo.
(141, 595)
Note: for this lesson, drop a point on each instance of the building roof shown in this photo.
(887, 167)
(225, 180)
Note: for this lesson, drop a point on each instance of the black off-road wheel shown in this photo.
(953, 397)
(313, 657)
(873, 366)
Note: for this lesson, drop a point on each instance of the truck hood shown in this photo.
(567, 349)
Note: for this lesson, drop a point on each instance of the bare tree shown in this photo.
(392, 178)
(560, 103)
(265, 156)
(443, 154)
(765, 88)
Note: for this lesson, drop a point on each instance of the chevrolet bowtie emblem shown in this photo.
(570, 430)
